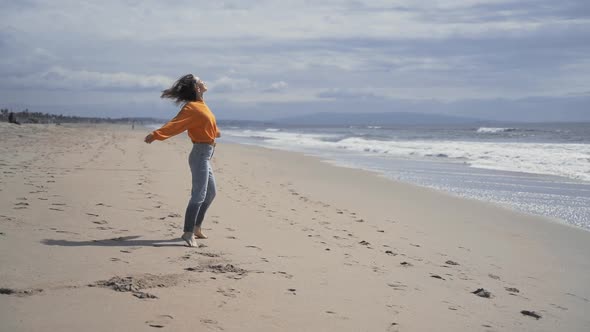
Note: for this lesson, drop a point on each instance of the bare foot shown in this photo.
(189, 239)
(199, 234)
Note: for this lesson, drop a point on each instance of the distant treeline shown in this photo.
(26, 116)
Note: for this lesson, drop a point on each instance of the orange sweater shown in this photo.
(196, 118)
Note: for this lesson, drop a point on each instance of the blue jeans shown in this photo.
(203, 190)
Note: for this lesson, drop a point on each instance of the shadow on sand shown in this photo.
(123, 241)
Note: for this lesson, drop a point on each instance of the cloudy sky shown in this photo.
(498, 59)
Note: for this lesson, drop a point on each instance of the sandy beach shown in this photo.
(90, 219)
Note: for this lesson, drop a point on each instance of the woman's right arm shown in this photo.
(181, 122)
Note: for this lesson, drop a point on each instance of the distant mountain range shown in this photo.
(374, 119)
(523, 110)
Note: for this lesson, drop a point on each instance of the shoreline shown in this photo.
(91, 219)
(469, 182)
(377, 173)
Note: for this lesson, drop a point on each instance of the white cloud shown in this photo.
(230, 84)
(346, 94)
(446, 49)
(269, 20)
(277, 86)
(63, 78)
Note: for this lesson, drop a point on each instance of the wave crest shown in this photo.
(493, 130)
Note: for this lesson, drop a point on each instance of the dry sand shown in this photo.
(90, 218)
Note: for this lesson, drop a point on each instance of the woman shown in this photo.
(196, 118)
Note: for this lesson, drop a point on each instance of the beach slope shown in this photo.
(90, 219)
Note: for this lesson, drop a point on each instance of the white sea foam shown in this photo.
(568, 160)
(491, 130)
(561, 159)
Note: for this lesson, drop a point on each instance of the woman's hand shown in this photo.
(149, 138)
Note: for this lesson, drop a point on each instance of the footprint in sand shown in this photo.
(37, 191)
(21, 205)
(228, 292)
(20, 292)
(397, 286)
(212, 324)
(284, 274)
(102, 204)
(393, 327)
(493, 276)
(128, 251)
(366, 244)
(558, 306)
(114, 259)
(66, 232)
(512, 290)
(160, 321)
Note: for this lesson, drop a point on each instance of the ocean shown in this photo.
(542, 169)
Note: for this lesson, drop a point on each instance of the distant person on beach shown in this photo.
(196, 118)
(12, 118)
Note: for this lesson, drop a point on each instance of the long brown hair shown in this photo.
(182, 91)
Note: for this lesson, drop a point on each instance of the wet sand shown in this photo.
(90, 219)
